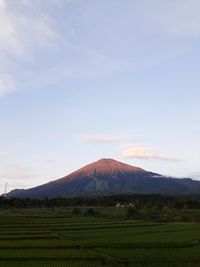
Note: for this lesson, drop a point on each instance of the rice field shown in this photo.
(53, 240)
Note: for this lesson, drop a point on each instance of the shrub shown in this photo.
(76, 211)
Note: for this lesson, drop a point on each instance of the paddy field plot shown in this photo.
(59, 241)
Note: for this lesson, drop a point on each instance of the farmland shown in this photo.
(53, 239)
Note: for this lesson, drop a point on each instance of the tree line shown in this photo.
(135, 201)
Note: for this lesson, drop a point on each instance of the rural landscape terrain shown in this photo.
(56, 238)
(81, 221)
(99, 133)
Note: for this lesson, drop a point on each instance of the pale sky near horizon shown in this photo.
(84, 80)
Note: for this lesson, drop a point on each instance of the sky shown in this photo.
(85, 80)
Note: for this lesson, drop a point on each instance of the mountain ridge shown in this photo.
(108, 177)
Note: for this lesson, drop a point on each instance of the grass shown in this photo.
(55, 240)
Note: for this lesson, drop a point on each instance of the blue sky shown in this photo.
(84, 80)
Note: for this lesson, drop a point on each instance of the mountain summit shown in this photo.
(108, 167)
(108, 177)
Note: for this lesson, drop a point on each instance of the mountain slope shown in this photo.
(106, 177)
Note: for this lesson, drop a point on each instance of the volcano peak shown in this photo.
(107, 177)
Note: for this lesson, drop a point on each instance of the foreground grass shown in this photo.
(55, 240)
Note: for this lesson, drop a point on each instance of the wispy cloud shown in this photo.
(130, 149)
(179, 18)
(3, 154)
(106, 138)
(194, 175)
(17, 176)
(24, 31)
(16, 171)
(144, 152)
(7, 84)
(30, 30)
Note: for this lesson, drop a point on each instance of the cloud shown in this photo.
(130, 150)
(2, 4)
(25, 31)
(50, 161)
(16, 171)
(179, 18)
(75, 38)
(3, 154)
(7, 84)
(193, 175)
(106, 138)
(16, 176)
(144, 152)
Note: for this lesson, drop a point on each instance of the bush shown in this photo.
(91, 212)
(76, 211)
(132, 213)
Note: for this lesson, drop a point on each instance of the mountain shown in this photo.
(108, 177)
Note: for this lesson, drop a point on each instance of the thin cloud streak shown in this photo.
(7, 84)
(3, 154)
(106, 138)
(144, 152)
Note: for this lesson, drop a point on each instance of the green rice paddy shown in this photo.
(53, 240)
